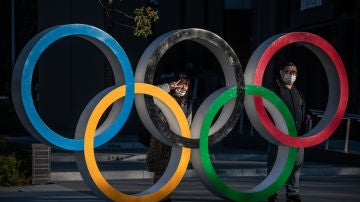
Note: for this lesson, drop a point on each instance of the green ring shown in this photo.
(219, 185)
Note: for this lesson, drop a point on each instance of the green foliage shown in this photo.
(143, 20)
(14, 170)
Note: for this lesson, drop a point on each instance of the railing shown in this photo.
(347, 117)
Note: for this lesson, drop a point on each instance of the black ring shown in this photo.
(233, 76)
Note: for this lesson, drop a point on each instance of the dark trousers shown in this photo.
(293, 183)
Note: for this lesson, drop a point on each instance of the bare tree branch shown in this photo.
(125, 25)
(107, 9)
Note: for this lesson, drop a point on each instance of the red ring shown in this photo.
(295, 37)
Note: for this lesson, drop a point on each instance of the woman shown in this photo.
(159, 153)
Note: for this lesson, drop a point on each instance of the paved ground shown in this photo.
(313, 188)
(326, 175)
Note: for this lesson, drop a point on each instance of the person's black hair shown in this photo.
(184, 78)
(287, 64)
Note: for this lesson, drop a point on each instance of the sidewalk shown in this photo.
(124, 165)
(313, 189)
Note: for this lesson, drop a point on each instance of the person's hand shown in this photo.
(174, 84)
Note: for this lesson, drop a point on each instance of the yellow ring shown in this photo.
(95, 173)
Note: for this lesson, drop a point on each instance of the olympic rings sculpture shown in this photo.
(183, 139)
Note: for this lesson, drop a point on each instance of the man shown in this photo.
(294, 100)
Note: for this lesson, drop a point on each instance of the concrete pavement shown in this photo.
(313, 189)
(323, 177)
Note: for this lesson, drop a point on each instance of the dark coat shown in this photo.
(294, 100)
(158, 155)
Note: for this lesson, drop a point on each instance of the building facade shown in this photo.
(72, 71)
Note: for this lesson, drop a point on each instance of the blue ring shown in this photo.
(50, 37)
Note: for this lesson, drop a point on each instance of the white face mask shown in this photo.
(179, 92)
(289, 79)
